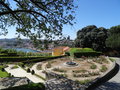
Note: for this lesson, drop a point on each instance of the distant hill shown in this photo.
(26, 43)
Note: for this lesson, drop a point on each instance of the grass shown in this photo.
(3, 74)
(1, 66)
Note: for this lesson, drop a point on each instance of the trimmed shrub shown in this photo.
(39, 67)
(28, 70)
(93, 66)
(32, 72)
(80, 71)
(21, 64)
(103, 68)
(2, 69)
(59, 70)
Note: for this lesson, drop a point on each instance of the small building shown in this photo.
(60, 50)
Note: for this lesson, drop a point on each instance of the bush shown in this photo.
(39, 67)
(14, 67)
(93, 66)
(32, 72)
(9, 74)
(80, 71)
(86, 54)
(21, 64)
(28, 70)
(48, 65)
(84, 81)
(111, 59)
(59, 70)
(103, 68)
(2, 69)
(101, 60)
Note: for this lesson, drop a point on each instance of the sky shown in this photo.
(102, 13)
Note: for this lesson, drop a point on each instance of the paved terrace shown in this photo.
(19, 72)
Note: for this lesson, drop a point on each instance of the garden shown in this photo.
(81, 64)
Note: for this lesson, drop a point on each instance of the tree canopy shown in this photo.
(113, 40)
(91, 37)
(36, 18)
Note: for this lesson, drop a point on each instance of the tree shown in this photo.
(91, 37)
(113, 40)
(36, 18)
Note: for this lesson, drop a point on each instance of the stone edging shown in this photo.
(103, 78)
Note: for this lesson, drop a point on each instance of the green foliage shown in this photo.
(78, 52)
(35, 20)
(27, 59)
(113, 40)
(111, 59)
(101, 60)
(84, 81)
(21, 64)
(14, 67)
(39, 67)
(91, 37)
(32, 72)
(3, 73)
(64, 75)
(74, 50)
(28, 70)
(31, 86)
(80, 71)
(93, 66)
(59, 70)
(103, 68)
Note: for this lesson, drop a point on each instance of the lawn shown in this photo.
(3, 74)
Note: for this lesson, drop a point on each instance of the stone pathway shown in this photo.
(19, 72)
(39, 72)
(112, 84)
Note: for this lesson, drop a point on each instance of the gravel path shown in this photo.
(112, 84)
(19, 72)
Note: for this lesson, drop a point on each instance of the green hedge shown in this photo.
(87, 54)
(32, 86)
(78, 52)
(17, 59)
(27, 59)
(42, 59)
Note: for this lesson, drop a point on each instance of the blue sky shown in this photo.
(102, 13)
